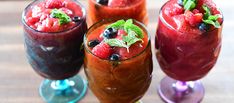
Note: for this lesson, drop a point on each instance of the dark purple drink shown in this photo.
(53, 33)
(56, 55)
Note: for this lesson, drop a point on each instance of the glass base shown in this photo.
(173, 91)
(63, 91)
(139, 101)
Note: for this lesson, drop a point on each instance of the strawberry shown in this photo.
(176, 10)
(54, 4)
(102, 50)
(117, 3)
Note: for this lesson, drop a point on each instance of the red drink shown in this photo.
(122, 76)
(53, 49)
(53, 33)
(135, 9)
(187, 46)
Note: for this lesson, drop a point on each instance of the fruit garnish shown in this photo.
(203, 27)
(110, 33)
(114, 57)
(134, 34)
(117, 25)
(76, 19)
(131, 38)
(53, 4)
(189, 4)
(102, 50)
(63, 17)
(208, 18)
(103, 2)
(93, 43)
(193, 19)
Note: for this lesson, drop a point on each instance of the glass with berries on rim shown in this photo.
(118, 60)
(53, 34)
(188, 43)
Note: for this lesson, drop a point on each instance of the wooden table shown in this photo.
(19, 83)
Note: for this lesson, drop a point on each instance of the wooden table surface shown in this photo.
(19, 83)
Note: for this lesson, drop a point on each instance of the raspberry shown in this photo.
(198, 17)
(51, 4)
(32, 20)
(102, 50)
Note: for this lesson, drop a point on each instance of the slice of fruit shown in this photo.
(102, 50)
(117, 3)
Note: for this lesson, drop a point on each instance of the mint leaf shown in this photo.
(189, 4)
(116, 43)
(118, 24)
(129, 26)
(208, 18)
(63, 17)
(213, 17)
(211, 22)
(131, 38)
(207, 12)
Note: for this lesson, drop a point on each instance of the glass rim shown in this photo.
(171, 27)
(59, 32)
(115, 19)
(124, 7)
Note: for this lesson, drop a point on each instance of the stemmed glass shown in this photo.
(185, 57)
(58, 57)
(122, 81)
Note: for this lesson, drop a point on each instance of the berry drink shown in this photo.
(118, 60)
(53, 33)
(188, 43)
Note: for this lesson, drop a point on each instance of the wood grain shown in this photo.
(19, 83)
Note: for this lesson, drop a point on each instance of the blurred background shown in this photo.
(19, 83)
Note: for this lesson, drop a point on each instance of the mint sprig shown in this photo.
(129, 26)
(131, 38)
(134, 32)
(189, 4)
(116, 43)
(117, 25)
(208, 18)
(63, 17)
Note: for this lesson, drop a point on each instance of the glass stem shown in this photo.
(60, 84)
(61, 87)
(182, 88)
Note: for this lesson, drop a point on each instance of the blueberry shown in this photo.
(93, 43)
(114, 57)
(110, 33)
(203, 27)
(103, 2)
(76, 19)
(180, 2)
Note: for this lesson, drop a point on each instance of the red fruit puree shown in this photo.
(39, 17)
(184, 51)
